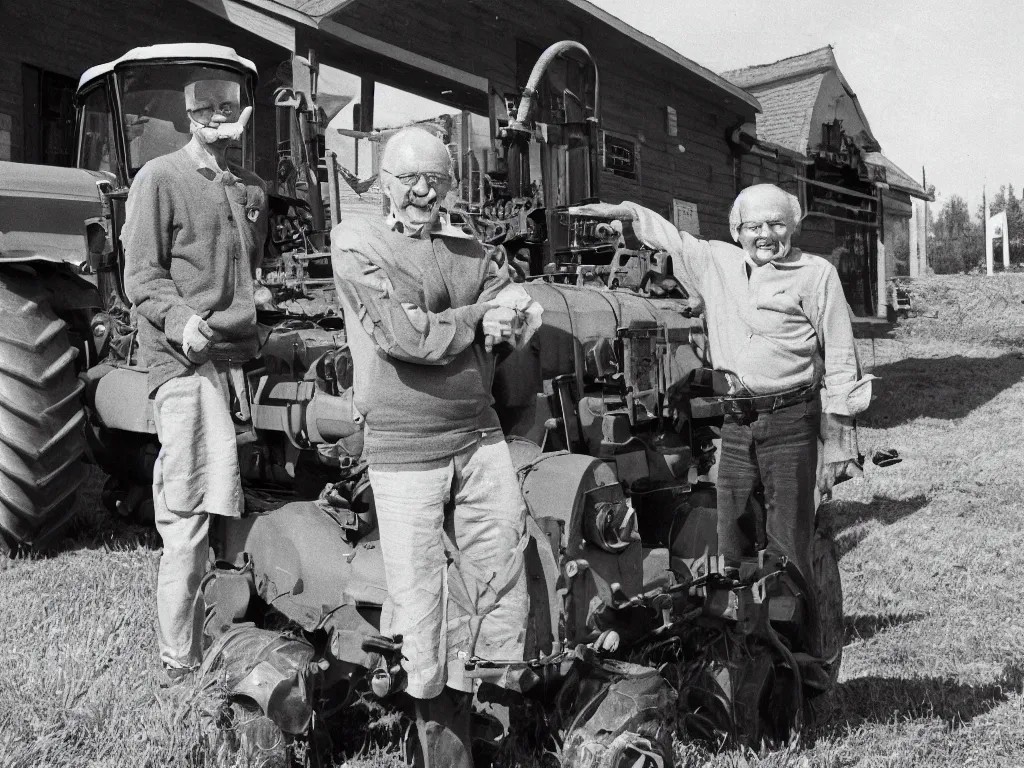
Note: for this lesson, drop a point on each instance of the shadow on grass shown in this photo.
(939, 388)
(884, 699)
(93, 526)
(864, 627)
(844, 517)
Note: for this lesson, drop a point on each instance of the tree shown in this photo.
(957, 243)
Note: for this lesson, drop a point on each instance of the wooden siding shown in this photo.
(636, 86)
(68, 37)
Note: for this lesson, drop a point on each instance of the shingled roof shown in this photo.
(786, 109)
(788, 91)
(760, 75)
(896, 177)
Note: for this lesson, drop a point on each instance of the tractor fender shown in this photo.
(119, 398)
(554, 488)
(72, 291)
(44, 212)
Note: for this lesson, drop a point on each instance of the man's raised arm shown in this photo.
(689, 255)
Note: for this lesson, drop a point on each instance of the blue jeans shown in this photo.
(766, 483)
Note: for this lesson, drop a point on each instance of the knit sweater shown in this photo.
(422, 378)
(193, 238)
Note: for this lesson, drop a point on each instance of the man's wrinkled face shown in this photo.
(214, 107)
(766, 225)
(416, 174)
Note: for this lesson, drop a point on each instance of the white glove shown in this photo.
(216, 131)
(498, 325)
(515, 297)
(195, 338)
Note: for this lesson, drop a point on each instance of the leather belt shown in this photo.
(749, 407)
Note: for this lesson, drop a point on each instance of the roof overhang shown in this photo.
(663, 50)
(318, 15)
(182, 51)
(895, 177)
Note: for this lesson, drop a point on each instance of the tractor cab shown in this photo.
(133, 109)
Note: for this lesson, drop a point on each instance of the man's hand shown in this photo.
(195, 339)
(498, 325)
(529, 312)
(836, 471)
(620, 211)
(650, 228)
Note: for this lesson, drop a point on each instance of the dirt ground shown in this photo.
(932, 560)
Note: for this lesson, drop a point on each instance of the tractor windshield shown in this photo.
(96, 138)
(153, 109)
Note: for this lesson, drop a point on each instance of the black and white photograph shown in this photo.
(511, 384)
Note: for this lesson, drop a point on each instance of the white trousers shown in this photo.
(478, 604)
(196, 475)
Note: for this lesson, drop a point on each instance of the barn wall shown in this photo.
(636, 86)
(68, 36)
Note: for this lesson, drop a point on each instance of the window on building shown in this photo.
(49, 117)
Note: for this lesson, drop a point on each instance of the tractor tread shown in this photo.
(42, 421)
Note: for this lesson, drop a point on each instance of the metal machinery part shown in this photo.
(611, 428)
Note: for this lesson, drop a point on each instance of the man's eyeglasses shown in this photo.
(754, 227)
(226, 108)
(434, 180)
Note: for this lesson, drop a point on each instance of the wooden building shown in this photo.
(857, 202)
(666, 119)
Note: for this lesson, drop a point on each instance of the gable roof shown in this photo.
(788, 91)
(760, 75)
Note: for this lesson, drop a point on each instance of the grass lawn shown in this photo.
(932, 559)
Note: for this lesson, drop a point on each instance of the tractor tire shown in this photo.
(42, 421)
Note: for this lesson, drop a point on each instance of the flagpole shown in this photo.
(988, 235)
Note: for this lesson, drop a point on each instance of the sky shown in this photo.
(941, 82)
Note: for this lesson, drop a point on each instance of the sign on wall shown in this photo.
(684, 217)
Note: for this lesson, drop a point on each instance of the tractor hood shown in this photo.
(43, 211)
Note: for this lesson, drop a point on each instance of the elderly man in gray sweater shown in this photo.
(194, 234)
(424, 304)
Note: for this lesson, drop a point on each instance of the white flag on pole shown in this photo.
(998, 226)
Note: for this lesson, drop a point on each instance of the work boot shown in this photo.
(443, 727)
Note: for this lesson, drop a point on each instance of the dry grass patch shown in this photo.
(968, 309)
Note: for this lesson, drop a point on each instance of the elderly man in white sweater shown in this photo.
(779, 330)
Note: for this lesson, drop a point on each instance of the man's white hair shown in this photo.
(793, 204)
(426, 139)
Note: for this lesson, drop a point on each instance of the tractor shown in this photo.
(638, 628)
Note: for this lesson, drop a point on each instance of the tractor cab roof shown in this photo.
(172, 52)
